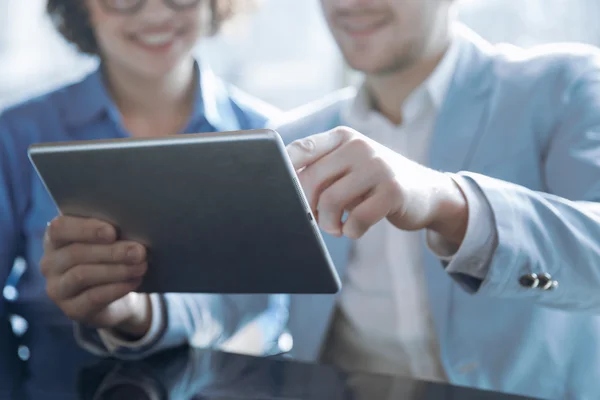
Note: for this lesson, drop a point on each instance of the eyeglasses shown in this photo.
(133, 6)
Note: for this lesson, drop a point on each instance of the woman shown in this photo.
(147, 84)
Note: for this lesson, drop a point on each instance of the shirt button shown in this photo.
(530, 281)
(546, 282)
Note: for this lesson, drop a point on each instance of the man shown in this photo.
(486, 278)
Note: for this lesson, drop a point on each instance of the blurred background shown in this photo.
(283, 53)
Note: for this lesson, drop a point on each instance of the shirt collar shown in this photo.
(434, 89)
(89, 100)
(213, 101)
(439, 81)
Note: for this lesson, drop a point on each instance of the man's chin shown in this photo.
(363, 64)
(367, 65)
(369, 68)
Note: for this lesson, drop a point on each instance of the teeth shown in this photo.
(361, 27)
(156, 39)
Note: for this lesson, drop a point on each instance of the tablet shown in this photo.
(218, 212)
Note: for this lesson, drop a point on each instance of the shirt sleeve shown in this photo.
(472, 258)
(245, 323)
(113, 340)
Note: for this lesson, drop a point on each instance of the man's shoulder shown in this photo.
(559, 62)
(521, 67)
(317, 116)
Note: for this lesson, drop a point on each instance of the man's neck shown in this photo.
(389, 91)
(170, 95)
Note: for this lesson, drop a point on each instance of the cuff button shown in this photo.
(546, 282)
(530, 281)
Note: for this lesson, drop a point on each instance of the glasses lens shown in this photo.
(123, 6)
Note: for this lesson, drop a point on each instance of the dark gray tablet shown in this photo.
(219, 213)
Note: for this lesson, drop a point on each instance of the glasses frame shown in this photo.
(139, 4)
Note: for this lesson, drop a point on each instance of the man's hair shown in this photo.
(71, 19)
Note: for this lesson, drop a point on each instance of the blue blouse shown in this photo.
(81, 111)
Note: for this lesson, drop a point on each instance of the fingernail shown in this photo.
(104, 233)
(307, 144)
(332, 231)
(133, 253)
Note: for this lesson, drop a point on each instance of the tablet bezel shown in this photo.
(43, 155)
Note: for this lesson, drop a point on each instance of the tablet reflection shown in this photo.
(197, 374)
(200, 374)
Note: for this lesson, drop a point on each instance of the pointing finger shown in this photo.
(306, 151)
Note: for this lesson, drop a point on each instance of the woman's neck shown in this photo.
(153, 106)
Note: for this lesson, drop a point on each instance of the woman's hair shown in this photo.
(71, 19)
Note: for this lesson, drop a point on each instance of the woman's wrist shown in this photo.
(138, 324)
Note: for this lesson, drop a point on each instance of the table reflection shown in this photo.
(59, 369)
(193, 374)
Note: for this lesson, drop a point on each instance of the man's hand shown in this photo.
(344, 171)
(90, 275)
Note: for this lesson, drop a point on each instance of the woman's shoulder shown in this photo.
(45, 112)
(256, 112)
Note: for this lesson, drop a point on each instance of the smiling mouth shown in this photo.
(158, 38)
(361, 25)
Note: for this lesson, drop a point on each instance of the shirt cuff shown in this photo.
(472, 258)
(112, 341)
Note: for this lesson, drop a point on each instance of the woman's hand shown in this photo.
(91, 275)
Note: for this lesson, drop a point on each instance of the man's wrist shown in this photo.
(451, 215)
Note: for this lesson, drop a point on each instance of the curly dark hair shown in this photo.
(71, 19)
